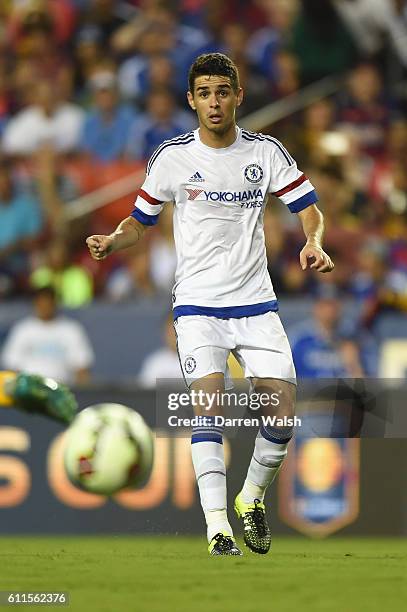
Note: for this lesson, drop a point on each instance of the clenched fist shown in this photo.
(100, 246)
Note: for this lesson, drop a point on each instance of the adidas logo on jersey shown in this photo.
(196, 178)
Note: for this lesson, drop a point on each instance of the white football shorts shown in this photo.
(259, 344)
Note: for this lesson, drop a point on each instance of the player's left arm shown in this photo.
(313, 225)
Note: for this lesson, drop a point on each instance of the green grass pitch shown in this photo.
(163, 573)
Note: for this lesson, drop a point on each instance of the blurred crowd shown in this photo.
(89, 88)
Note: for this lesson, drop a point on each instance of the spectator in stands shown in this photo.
(374, 23)
(39, 37)
(145, 72)
(257, 90)
(286, 75)
(342, 224)
(162, 363)
(370, 270)
(319, 350)
(106, 15)
(130, 277)
(365, 111)
(88, 53)
(387, 186)
(161, 121)
(58, 16)
(234, 41)
(72, 282)
(55, 188)
(46, 120)
(321, 42)
(152, 40)
(20, 228)
(106, 128)
(158, 33)
(318, 121)
(49, 344)
(389, 297)
(267, 42)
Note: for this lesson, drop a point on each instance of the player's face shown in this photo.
(215, 102)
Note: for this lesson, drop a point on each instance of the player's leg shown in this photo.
(266, 358)
(203, 352)
(273, 437)
(209, 465)
(269, 452)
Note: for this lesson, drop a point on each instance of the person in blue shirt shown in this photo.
(21, 223)
(106, 127)
(162, 120)
(319, 348)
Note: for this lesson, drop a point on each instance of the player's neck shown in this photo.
(217, 141)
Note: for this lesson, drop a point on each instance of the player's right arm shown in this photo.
(127, 234)
(155, 191)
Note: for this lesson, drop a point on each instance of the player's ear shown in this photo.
(191, 100)
(239, 96)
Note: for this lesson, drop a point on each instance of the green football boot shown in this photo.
(256, 531)
(40, 395)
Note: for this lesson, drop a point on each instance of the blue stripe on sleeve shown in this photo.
(143, 217)
(303, 202)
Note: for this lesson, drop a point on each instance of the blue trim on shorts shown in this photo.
(226, 312)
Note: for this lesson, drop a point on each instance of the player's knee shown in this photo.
(270, 454)
(277, 400)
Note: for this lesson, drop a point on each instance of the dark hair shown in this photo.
(45, 290)
(216, 64)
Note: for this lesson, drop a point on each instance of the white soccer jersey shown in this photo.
(219, 197)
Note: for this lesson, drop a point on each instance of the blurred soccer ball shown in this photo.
(109, 447)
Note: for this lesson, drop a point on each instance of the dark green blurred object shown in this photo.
(36, 394)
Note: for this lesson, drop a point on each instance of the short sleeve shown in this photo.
(288, 183)
(155, 191)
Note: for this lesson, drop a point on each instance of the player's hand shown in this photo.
(100, 246)
(41, 395)
(322, 262)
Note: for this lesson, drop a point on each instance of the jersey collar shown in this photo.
(220, 151)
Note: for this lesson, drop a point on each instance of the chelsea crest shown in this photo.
(253, 173)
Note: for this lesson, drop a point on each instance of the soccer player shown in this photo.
(219, 178)
(36, 394)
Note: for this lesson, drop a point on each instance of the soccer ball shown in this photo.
(108, 447)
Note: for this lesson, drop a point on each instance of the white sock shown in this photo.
(216, 521)
(266, 461)
(210, 471)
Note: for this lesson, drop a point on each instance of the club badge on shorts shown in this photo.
(253, 173)
(189, 365)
